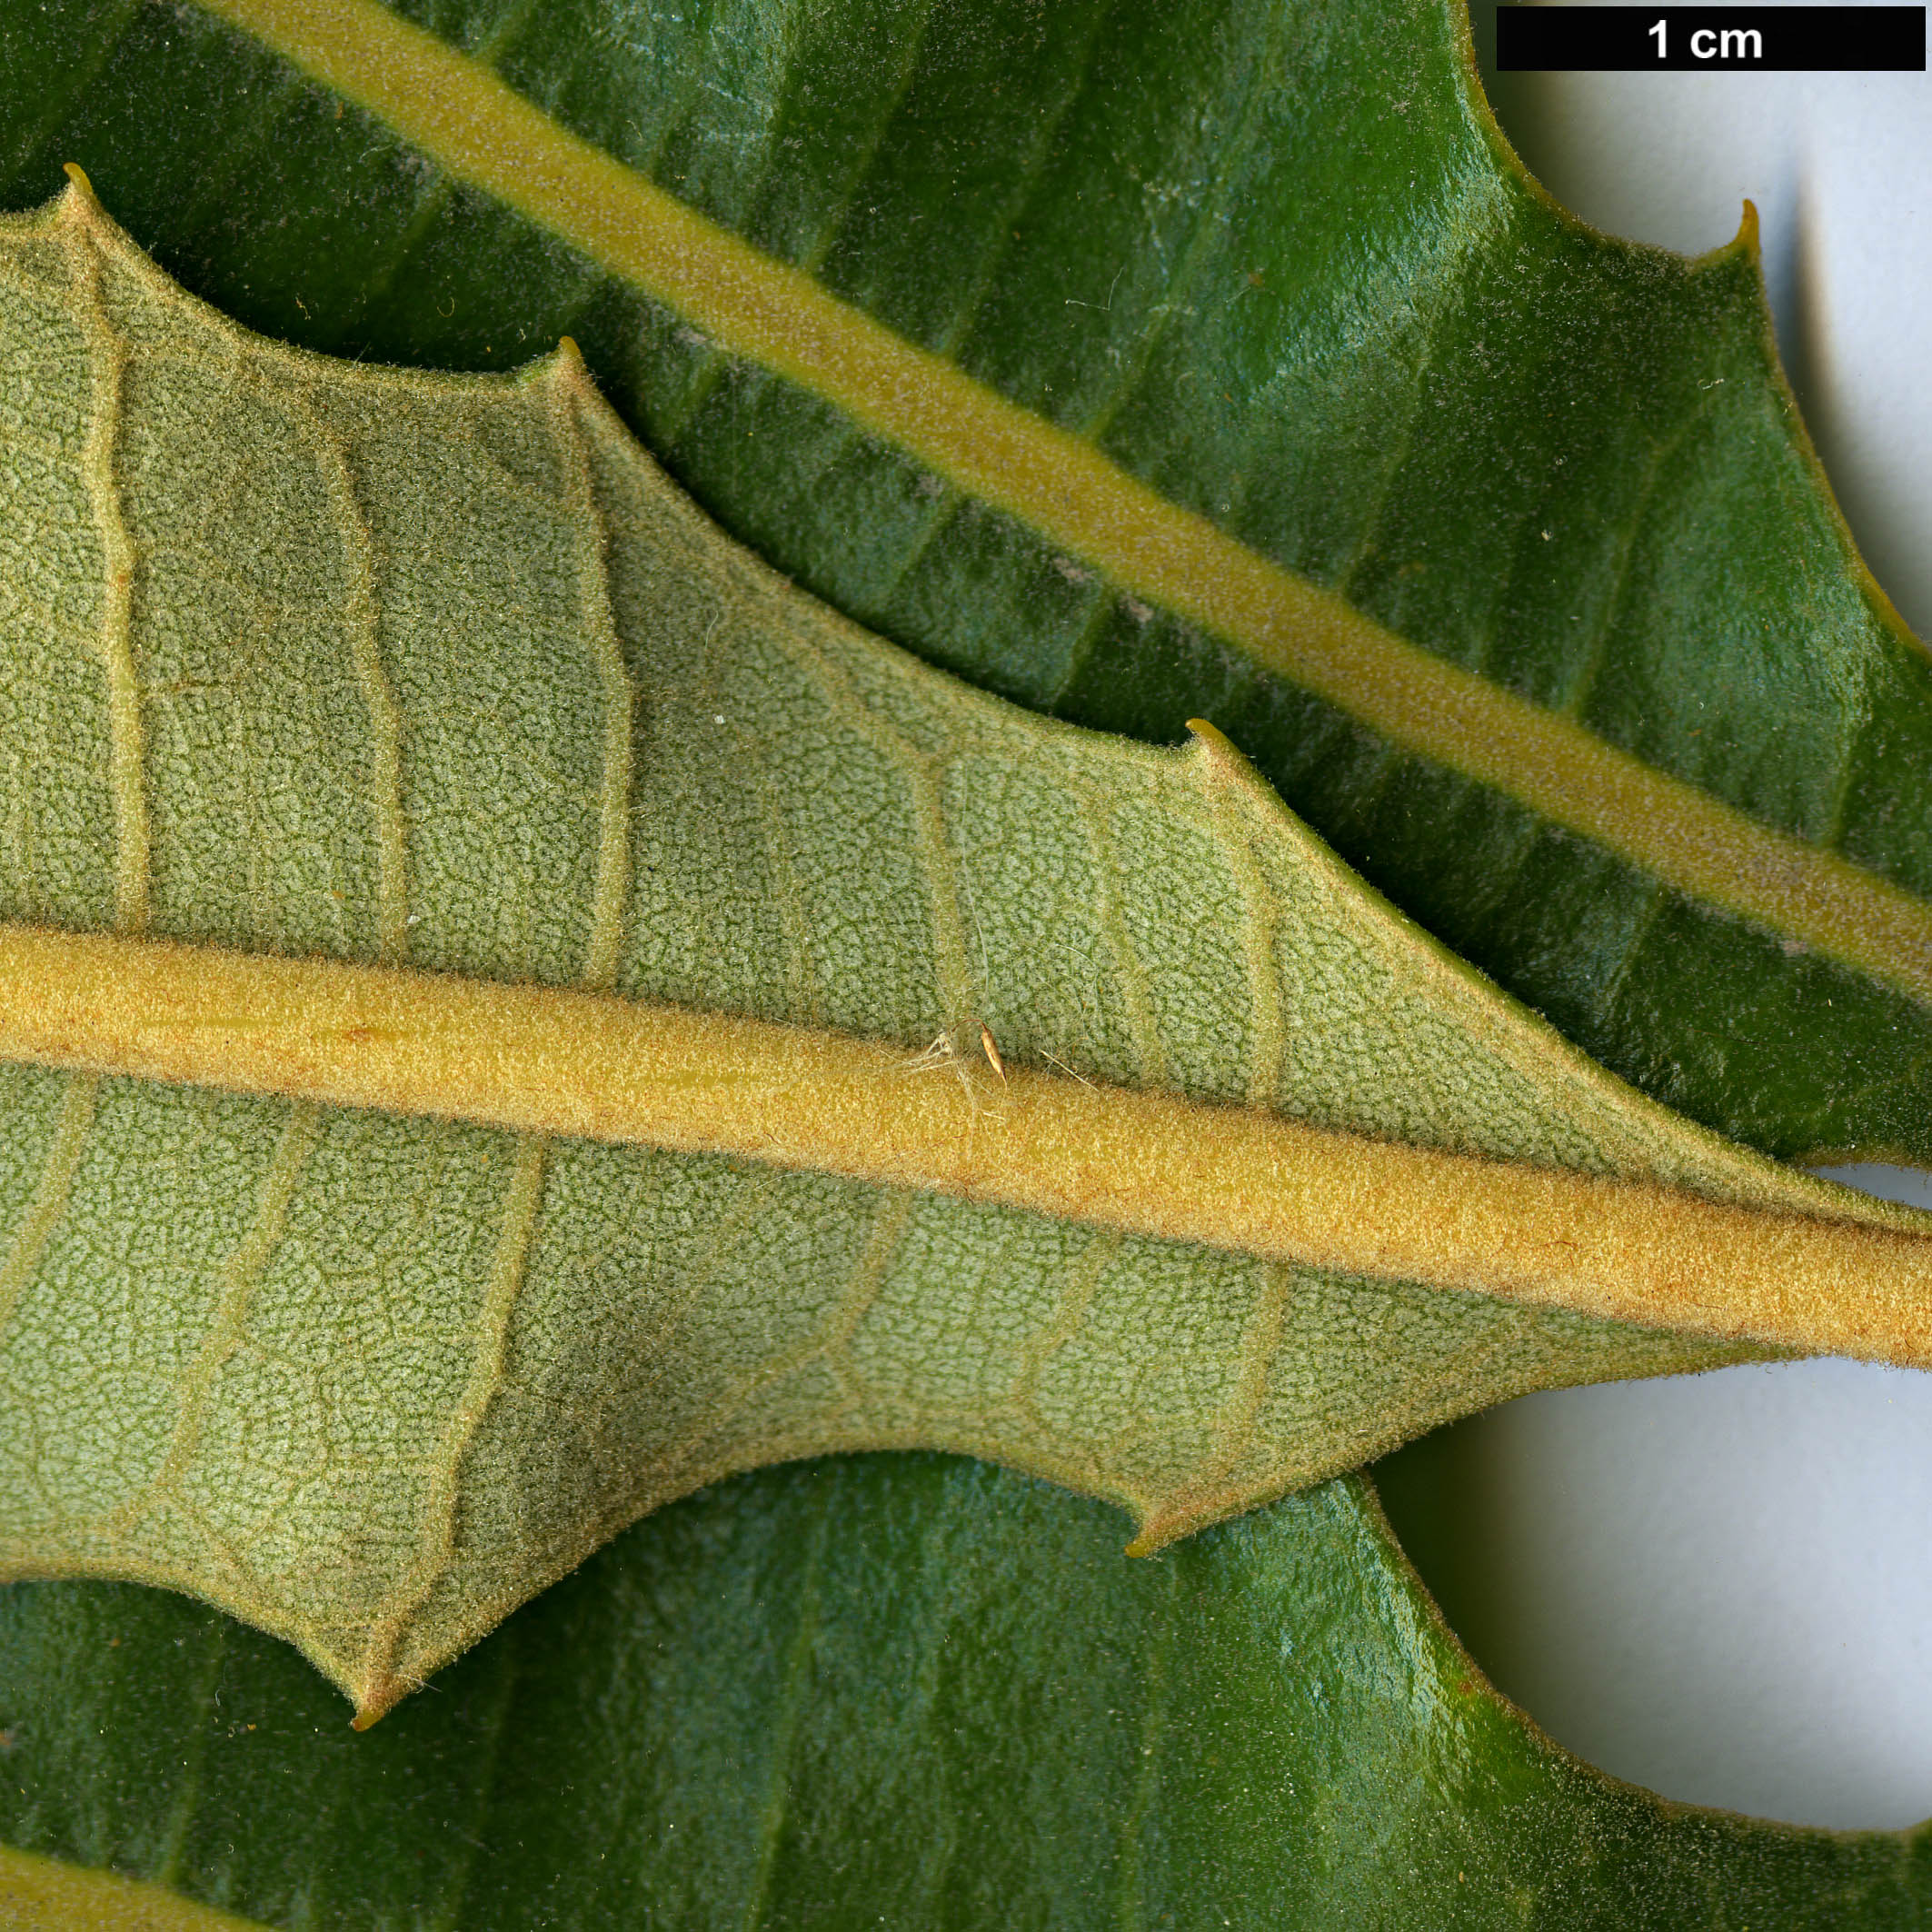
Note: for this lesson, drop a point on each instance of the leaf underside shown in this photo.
(443, 673)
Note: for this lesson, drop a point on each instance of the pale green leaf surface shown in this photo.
(403, 650)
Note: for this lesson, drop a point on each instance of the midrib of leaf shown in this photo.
(482, 132)
(546, 1060)
(46, 1893)
(1723, 1879)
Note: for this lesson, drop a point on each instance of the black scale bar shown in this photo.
(1702, 39)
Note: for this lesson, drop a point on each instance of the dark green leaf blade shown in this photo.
(898, 1689)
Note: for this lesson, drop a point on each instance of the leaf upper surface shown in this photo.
(907, 1688)
(442, 673)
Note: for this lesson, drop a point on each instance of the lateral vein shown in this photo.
(1269, 1045)
(29, 1245)
(609, 901)
(379, 700)
(384, 1685)
(127, 750)
(240, 1276)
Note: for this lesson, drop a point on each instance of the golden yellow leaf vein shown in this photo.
(129, 740)
(549, 1061)
(48, 1894)
(469, 122)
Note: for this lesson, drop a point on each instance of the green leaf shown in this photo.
(314, 222)
(1274, 265)
(907, 1689)
(441, 672)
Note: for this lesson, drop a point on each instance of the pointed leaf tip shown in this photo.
(566, 367)
(1214, 742)
(80, 196)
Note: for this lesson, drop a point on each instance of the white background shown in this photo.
(1721, 1585)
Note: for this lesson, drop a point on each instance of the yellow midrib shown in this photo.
(482, 131)
(48, 1895)
(544, 1060)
